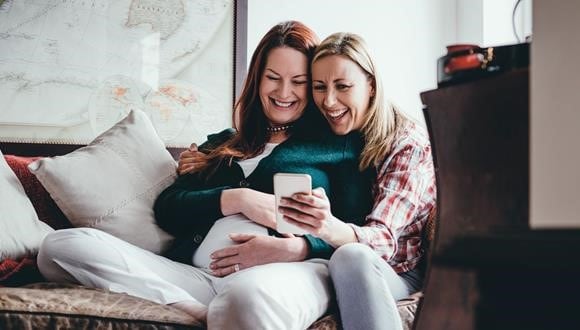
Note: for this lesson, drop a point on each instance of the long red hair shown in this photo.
(248, 116)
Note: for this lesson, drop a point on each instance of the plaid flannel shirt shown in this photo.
(405, 195)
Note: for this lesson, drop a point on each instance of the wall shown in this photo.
(489, 22)
(555, 117)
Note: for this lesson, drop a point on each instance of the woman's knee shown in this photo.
(65, 245)
(234, 304)
(351, 257)
(243, 306)
(70, 238)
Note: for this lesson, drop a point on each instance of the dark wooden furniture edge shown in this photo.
(533, 249)
(48, 150)
(240, 45)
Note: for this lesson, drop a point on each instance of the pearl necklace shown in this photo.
(278, 129)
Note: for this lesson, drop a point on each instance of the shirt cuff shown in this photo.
(359, 233)
(318, 248)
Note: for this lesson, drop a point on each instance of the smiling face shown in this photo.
(284, 86)
(342, 92)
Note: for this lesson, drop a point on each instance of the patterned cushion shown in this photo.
(22, 270)
(19, 272)
(45, 207)
(67, 306)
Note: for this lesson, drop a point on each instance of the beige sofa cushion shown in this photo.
(112, 183)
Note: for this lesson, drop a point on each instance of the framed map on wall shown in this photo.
(70, 69)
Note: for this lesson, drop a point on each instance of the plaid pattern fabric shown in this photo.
(405, 195)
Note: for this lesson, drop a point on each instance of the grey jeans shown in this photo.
(367, 288)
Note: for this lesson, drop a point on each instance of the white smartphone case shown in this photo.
(285, 185)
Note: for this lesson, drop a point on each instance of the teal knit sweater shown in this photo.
(188, 208)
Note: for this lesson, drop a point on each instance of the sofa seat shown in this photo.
(68, 306)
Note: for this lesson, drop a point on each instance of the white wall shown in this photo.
(469, 22)
(406, 37)
(489, 22)
(555, 115)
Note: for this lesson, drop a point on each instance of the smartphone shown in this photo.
(286, 185)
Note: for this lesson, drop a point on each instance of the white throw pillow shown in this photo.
(20, 230)
(112, 183)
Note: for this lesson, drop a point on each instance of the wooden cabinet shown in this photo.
(488, 270)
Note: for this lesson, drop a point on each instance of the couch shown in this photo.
(27, 301)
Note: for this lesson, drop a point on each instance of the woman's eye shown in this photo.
(300, 82)
(319, 87)
(272, 78)
(342, 87)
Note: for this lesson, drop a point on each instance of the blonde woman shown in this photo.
(377, 261)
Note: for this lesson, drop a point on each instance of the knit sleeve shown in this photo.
(181, 209)
(188, 205)
(318, 248)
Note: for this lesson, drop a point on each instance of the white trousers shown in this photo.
(274, 296)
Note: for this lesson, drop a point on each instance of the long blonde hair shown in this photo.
(383, 120)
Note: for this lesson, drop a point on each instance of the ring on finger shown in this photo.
(236, 268)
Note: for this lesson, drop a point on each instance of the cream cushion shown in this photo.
(20, 230)
(112, 183)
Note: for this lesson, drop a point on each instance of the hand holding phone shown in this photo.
(286, 185)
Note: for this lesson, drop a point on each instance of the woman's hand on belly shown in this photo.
(252, 250)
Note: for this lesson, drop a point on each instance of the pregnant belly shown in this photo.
(218, 237)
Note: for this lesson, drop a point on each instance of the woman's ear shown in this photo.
(372, 86)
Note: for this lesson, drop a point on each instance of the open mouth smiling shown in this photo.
(282, 104)
(336, 115)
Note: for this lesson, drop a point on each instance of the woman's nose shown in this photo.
(329, 99)
(285, 89)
